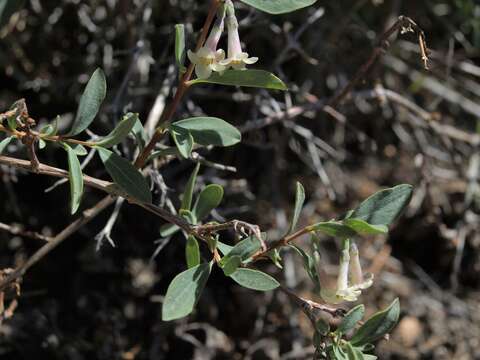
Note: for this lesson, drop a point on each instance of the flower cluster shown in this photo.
(208, 59)
(343, 289)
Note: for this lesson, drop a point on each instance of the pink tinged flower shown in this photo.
(207, 59)
(237, 59)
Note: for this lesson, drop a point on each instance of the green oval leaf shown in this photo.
(120, 132)
(224, 248)
(351, 319)
(254, 279)
(125, 175)
(209, 131)
(244, 249)
(231, 264)
(299, 200)
(180, 47)
(5, 142)
(75, 177)
(247, 78)
(79, 149)
(378, 325)
(209, 199)
(184, 291)
(188, 193)
(90, 102)
(192, 252)
(276, 7)
(383, 207)
(363, 228)
(333, 228)
(183, 140)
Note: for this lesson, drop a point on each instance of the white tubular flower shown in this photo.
(237, 59)
(349, 265)
(207, 59)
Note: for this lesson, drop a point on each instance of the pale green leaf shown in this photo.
(192, 252)
(184, 291)
(254, 279)
(244, 249)
(278, 6)
(90, 102)
(248, 78)
(231, 264)
(299, 200)
(383, 207)
(351, 319)
(183, 140)
(209, 131)
(209, 198)
(378, 325)
(180, 47)
(188, 193)
(120, 132)
(333, 228)
(75, 177)
(363, 228)
(79, 149)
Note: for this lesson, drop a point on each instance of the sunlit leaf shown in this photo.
(183, 140)
(231, 265)
(254, 279)
(209, 198)
(351, 319)
(378, 325)
(79, 149)
(188, 193)
(180, 47)
(75, 177)
(383, 207)
(299, 200)
(333, 228)
(209, 131)
(248, 78)
(120, 132)
(192, 252)
(278, 6)
(363, 228)
(90, 102)
(184, 292)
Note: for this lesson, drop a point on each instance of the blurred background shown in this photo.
(401, 124)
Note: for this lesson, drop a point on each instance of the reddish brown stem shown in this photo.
(181, 90)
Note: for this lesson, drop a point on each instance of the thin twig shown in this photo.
(17, 230)
(404, 24)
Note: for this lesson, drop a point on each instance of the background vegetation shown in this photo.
(401, 124)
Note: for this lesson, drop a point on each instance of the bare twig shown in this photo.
(404, 24)
(17, 230)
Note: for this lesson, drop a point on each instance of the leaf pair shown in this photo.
(372, 330)
(372, 216)
(240, 254)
